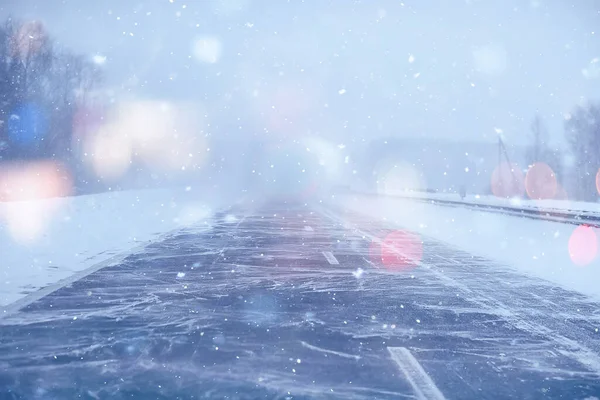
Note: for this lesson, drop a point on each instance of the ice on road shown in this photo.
(258, 308)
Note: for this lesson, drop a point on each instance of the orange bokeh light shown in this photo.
(583, 245)
(540, 182)
(26, 191)
(34, 181)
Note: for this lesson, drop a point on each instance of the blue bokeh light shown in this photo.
(27, 125)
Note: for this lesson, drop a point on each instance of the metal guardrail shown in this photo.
(574, 217)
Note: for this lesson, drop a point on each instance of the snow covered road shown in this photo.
(295, 301)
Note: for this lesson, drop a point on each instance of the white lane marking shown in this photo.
(308, 228)
(337, 353)
(421, 383)
(331, 258)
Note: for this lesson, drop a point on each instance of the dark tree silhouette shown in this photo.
(35, 74)
(582, 132)
(540, 150)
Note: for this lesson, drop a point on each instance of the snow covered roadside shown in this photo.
(546, 205)
(45, 241)
(539, 248)
(577, 207)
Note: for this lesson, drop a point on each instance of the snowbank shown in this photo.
(578, 207)
(539, 248)
(561, 205)
(45, 241)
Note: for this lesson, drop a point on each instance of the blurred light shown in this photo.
(192, 213)
(507, 181)
(27, 125)
(592, 70)
(111, 155)
(99, 59)
(399, 251)
(399, 179)
(34, 181)
(598, 181)
(583, 245)
(230, 219)
(540, 182)
(162, 136)
(207, 49)
(24, 188)
(328, 154)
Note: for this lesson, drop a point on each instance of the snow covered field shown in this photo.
(45, 241)
(561, 253)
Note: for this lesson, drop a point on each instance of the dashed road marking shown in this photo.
(331, 258)
(308, 228)
(424, 387)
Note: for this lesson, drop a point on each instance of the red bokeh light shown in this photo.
(398, 251)
(540, 182)
(583, 245)
(34, 181)
(25, 189)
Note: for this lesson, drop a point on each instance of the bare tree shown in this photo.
(34, 71)
(583, 135)
(539, 141)
(73, 79)
(540, 150)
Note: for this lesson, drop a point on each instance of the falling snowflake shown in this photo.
(358, 273)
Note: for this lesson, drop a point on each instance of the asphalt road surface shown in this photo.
(288, 301)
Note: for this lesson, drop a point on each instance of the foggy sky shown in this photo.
(347, 70)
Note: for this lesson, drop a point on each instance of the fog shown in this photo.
(334, 76)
